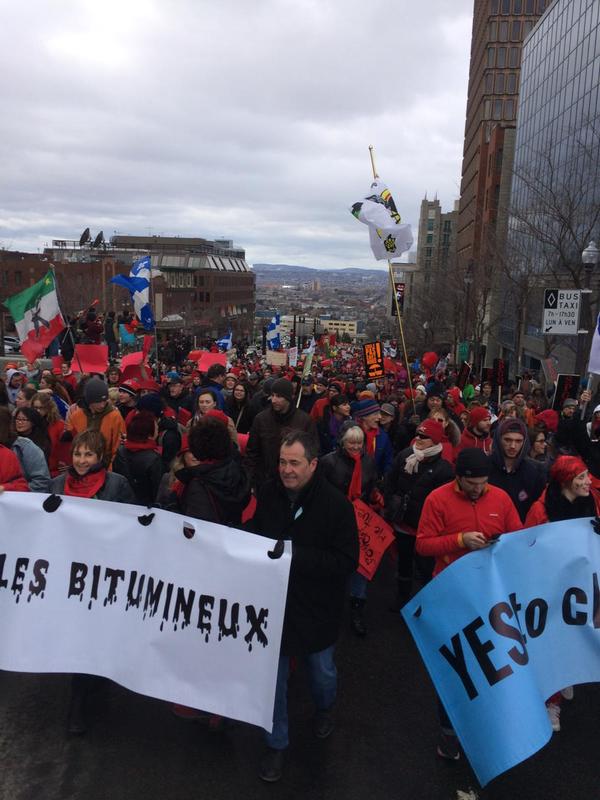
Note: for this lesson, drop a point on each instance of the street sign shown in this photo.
(561, 312)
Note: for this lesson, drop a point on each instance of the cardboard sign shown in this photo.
(90, 358)
(566, 387)
(132, 359)
(374, 538)
(276, 359)
(373, 355)
(399, 289)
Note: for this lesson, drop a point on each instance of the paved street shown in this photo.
(383, 747)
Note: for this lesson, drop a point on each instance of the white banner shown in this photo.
(89, 589)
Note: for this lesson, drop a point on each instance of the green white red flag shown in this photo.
(37, 316)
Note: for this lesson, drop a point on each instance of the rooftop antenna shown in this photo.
(85, 237)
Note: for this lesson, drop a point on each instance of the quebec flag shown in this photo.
(273, 329)
(138, 283)
(226, 342)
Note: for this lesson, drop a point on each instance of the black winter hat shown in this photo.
(283, 388)
(472, 463)
(95, 391)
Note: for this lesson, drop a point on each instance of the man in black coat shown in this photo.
(521, 478)
(302, 506)
(268, 428)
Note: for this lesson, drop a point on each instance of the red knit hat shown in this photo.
(549, 417)
(565, 468)
(217, 414)
(433, 429)
(477, 415)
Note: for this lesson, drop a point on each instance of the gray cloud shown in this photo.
(249, 120)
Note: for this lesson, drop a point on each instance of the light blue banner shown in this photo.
(502, 629)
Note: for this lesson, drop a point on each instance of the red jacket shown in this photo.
(468, 439)
(11, 474)
(448, 512)
(537, 513)
(60, 452)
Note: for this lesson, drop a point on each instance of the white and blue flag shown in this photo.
(273, 331)
(138, 284)
(226, 342)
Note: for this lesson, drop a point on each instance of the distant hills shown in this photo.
(268, 270)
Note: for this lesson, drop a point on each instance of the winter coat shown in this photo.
(240, 415)
(215, 492)
(262, 452)
(116, 488)
(321, 525)
(143, 469)
(525, 483)
(448, 512)
(406, 493)
(33, 463)
(383, 454)
(338, 467)
(169, 440)
(111, 426)
(469, 439)
(59, 451)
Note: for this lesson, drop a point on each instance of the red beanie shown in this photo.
(477, 415)
(549, 418)
(433, 429)
(565, 468)
(214, 412)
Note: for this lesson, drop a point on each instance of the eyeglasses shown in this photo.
(422, 436)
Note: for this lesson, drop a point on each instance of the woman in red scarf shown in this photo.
(354, 473)
(88, 477)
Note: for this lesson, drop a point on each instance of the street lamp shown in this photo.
(590, 257)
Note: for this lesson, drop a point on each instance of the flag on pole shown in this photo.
(138, 284)
(594, 365)
(273, 330)
(37, 316)
(388, 235)
(226, 342)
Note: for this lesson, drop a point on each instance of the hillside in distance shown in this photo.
(288, 273)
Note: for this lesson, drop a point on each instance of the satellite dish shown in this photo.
(99, 240)
(85, 237)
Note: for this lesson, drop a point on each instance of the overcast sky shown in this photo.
(244, 119)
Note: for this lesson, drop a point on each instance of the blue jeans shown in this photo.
(322, 680)
(358, 586)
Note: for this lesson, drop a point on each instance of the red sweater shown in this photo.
(468, 439)
(448, 512)
(537, 513)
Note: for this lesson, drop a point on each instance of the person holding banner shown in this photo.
(353, 472)
(568, 495)
(463, 515)
(88, 477)
(300, 505)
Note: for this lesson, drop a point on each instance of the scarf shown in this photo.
(355, 485)
(558, 507)
(87, 485)
(135, 447)
(414, 459)
(371, 441)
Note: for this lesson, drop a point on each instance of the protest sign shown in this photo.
(90, 358)
(463, 375)
(132, 359)
(207, 359)
(182, 610)
(293, 356)
(374, 538)
(567, 386)
(275, 359)
(502, 629)
(373, 355)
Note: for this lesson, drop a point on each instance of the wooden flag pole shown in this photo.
(395, 297)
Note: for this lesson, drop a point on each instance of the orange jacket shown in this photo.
(448, 512)
(112, 427)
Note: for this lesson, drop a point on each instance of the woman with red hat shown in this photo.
(568, 495)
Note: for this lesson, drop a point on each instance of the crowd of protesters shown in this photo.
(283, 451)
